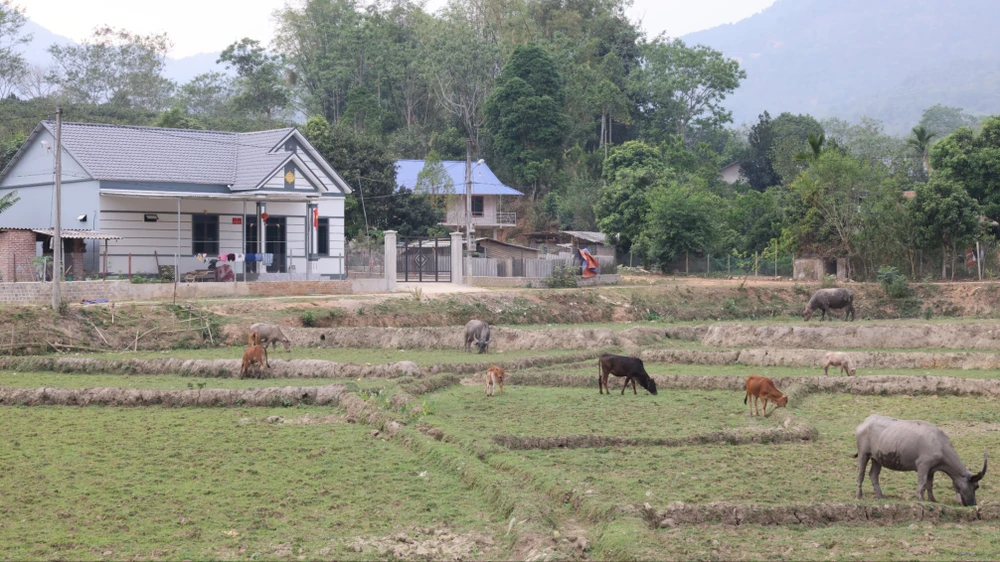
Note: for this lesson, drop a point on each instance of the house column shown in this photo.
(456, 258)
(390, 260)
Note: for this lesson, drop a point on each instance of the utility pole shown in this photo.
(468, 211)
(57, 231)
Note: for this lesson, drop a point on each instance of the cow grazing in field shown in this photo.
(271, 335)
(827, 299)
(762, 388)
(911, 445)
(620, 366)
(494, 378)
(254, 355)
(478, 332)
(838, 359)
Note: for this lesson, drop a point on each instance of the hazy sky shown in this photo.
(197, 26)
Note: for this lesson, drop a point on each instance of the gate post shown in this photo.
(389, 268)
(457, 269)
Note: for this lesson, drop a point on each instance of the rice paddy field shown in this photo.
(421, 464)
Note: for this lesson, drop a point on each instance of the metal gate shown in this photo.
(423, 260)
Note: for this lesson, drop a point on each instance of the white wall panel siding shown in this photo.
(277, 181)
(37, 165)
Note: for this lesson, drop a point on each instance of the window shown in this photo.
(477, 205)
(205, 234)
(323, 237)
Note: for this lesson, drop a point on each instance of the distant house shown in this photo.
(488, 215)
(504, 250)
(731, 173)
(157, 192)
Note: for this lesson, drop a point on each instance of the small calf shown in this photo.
(763, 388)
(254, 355)
(494, 378)
(838, 359)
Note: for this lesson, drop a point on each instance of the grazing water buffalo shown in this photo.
(762, 388)
(271, 335)
(478, 332)
(827, 299)
(620, 366)
(911, 445)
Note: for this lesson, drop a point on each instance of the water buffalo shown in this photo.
(271, 335)
(911, 445)
(827, 299)
(620, 366)
(478, 332)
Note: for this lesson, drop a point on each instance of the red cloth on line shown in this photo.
(591, 266)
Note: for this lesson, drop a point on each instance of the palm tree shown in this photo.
(921, 142)
(8, 200)
(816, 148)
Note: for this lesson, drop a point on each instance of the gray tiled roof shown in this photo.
(153, 154)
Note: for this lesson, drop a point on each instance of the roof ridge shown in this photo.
(139, 127)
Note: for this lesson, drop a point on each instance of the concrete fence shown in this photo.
(77, 291)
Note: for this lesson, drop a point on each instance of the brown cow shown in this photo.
(494, 378)
(255, 354)
(763, 388)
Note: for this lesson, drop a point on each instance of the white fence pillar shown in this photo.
(390, 260)
(456, 258)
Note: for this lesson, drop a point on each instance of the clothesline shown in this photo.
(267, 259)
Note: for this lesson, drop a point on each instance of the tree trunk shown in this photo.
(600, 143)
(954, 250)
(944, 261)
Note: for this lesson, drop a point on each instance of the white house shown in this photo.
(173, 194)
(488, 215)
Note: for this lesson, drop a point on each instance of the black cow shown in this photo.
(620, 366)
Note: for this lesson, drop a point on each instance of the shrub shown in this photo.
(893, 283)
(308, 319)
(609, 269)
(563, 277)
(829, 281)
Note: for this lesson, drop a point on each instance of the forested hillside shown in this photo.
(599, 125)
(884, 59)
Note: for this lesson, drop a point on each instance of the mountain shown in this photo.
(887, 59)
(180, 70)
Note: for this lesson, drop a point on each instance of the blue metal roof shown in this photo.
(484, 181)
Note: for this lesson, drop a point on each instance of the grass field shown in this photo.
(226, 483)
(86, 483)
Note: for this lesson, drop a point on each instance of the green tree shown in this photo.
(920, 142)
(175, 118)
(524, 117)
(834, 187)
(13, 66)
(755, 163)
(682, 88)
(366, 164)
(681, 218)
(973, 160)
(944, 120)
(945, 216)
(791, 135)
(630, 172)
(116, 67)
(260, 88)
(207, 95)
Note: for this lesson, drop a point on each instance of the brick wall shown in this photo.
(300, 288)
(75, 258)
(17, 249)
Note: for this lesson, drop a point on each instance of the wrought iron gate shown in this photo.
(423, 260)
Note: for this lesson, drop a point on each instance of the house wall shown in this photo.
(123, 216)
(37, 165)
(456, 211)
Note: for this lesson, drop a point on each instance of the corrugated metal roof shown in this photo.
(484, 181)
(77, 233)
(589, 236)
(508, 244)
